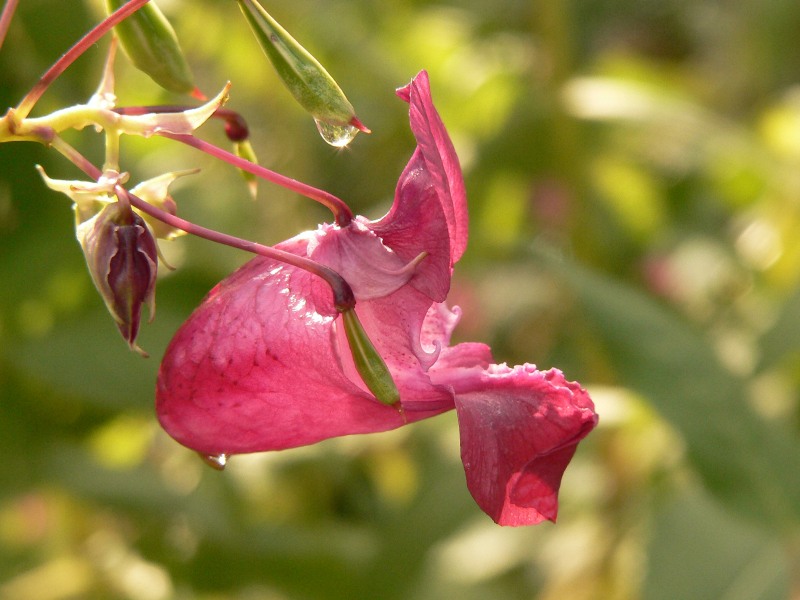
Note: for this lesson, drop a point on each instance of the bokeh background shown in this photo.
(633, 171)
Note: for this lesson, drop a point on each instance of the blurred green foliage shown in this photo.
(633, 171)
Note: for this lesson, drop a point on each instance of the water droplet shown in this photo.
(336, 135)
(215, 461)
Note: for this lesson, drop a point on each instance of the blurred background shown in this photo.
(634, 189)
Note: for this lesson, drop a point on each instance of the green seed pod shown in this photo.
(150, 43)
(307, 80)
(370, 365)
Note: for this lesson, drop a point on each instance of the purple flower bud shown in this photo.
(122, 257)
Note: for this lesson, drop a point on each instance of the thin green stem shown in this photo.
(112, 150)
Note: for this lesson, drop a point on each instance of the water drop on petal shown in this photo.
(215, 461)
(336, 135)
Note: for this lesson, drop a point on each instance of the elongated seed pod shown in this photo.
(150, 43)
(307, 80)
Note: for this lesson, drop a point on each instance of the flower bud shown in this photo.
(122, 257)
(368, 361)
(150, 43)
(236, 127)
(308, 81)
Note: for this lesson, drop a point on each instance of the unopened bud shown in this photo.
(236, 127)
(122, 257)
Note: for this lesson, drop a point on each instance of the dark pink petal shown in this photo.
(440, 158)
(379, 275)
(257, 367)
(429, 213)
(263, 363)
(519, 430)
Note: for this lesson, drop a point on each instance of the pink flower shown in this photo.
(264, 363)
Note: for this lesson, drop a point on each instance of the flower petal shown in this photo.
(380, 275)
(440, 158)
(519, 430)
(264, 364)
(260, 365)
(429, 213)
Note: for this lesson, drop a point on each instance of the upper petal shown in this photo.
(429, 213)
(440, 158)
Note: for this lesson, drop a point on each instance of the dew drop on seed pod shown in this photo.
(336, 135)
(215, 461)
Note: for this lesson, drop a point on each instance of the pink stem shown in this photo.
(5, 19)
(236, 130)
(343, 297)
(340, 210)
(86, 42)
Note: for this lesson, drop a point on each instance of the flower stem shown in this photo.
(341, 212)
(75, 157)
(343, 297)
(5, 19)
(86, 42)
